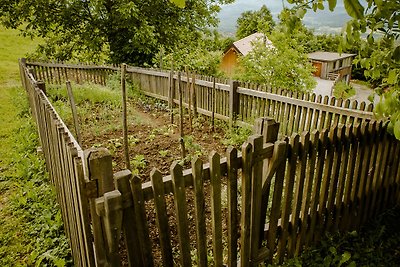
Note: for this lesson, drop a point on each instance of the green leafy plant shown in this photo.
(164, 153)
(236, 136)
(343, 90)
(138, 163)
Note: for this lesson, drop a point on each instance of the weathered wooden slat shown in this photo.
(121, 180)
(141, 222)
(162, 219)
(232, 176)
(342, 179)
(308, 170)
(216, 208)
(339, 135)
(181, 214)
(256, 195)
(198, 182)
(292, 153)
(246, 205)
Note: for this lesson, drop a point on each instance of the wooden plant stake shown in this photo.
(74, 113)
(124, 118)
(171, 95)
(182, 134)
(189, 89)
(213, 105)
(194, 95)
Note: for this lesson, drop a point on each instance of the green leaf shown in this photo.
(301, 12)
(396, 129)
(392, 78)
(354, 8)
(332, 4)
(345, 257)
(376, 73)
(396, 53)
(179, 3)
(378, 3)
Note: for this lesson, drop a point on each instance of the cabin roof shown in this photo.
(245, 45)
(328, 56)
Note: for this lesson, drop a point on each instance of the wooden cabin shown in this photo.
(240, 48)
(330, 65)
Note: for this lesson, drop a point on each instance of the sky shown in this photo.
(322, 21)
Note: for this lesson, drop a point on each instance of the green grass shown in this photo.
(12, 47)
(31, 229)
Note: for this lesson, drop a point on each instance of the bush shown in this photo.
(343, 90)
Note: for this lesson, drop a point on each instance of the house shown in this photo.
(240, 48)
(330, 65)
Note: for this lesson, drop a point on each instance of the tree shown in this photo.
(202, 55)
(126, 31)
(251, 22)
(282, 66)
(379, 21)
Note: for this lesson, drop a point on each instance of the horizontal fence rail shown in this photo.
(223, 99)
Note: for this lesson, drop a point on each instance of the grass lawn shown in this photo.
(31, 229)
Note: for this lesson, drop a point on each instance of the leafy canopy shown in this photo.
(119, 30)
(251, 22)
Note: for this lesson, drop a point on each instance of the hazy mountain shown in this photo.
(322, 20)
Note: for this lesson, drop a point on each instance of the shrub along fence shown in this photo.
(231, 101)
(280, 195)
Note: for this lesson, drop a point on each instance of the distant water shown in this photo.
(322, 21)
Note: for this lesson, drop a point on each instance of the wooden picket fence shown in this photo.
(264, 203)
(232, 101)
(282, 196)
(65, 164)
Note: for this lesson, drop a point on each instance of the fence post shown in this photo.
(268, 128)
(100, 181)
(233, 102)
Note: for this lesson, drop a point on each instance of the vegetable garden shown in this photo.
(261, 204)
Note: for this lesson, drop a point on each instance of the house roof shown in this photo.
(328, 56)
(245, 45)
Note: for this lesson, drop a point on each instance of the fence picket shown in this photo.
(162, 219)
(232, 175)
(141, 221)
(198, 182)
(181, 213)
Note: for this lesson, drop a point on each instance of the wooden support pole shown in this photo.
(213, 105)
(124, 118)
(233, 102)
(189, 90)
(171, 93)
(194, 95)
(74, 113)
(182, 134)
